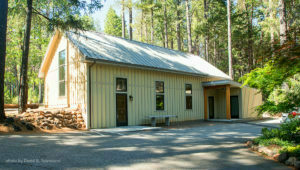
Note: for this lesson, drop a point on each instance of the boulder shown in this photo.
(282, 157)
(249, 143)
(297, 165)
(291, 161)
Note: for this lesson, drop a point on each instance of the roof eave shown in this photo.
(87, 59)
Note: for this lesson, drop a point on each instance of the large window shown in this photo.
(160, 95)
(188, 97)
(62, 73)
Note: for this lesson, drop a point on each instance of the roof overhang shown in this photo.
(105, 62)
(221, 83)
(49, 54)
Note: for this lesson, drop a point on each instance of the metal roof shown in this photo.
(111, 49)
(221, 82)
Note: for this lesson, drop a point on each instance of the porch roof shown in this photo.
(220, 83)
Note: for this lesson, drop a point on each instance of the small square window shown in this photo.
(159, 86)
(121, 85)
(160, 102)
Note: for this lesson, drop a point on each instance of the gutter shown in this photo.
(90, 95)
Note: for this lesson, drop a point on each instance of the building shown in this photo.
(118, 82)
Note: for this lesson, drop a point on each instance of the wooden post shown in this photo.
(205, 103)
(228, 114)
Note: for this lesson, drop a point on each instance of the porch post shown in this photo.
(205, 103)
(228, 114)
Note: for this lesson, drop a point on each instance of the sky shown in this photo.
(100, 15)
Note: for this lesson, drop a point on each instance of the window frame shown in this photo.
(60, 66)
(116, 79)
(160, 94)
(188, 94)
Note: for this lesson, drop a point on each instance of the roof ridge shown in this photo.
(143, 43)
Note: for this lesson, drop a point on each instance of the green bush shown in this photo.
(273, 141)
(288, 131)
(292, 150)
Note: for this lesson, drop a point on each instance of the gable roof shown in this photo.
(109, 49)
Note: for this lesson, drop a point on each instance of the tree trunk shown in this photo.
(250, 42)
(206, 31)
(3, 27)
(283, 24)
(23, 94)
(188, 23)
(271, 27)
(141, 27)
(123, 19)
(130, 22)
(229, 40)
(152, 27)
(178, 26)
(165, 24)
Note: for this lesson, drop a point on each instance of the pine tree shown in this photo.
(113, 23)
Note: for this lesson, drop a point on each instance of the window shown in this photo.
(160, 95)
(62, 73)
(121, 85)
(188, 97)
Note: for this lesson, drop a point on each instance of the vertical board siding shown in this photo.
(141, 85)
(76, 79)
(251, 99)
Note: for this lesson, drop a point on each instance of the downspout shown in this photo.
(90, 96)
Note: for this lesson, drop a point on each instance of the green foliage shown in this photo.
(113, 23)
(47, 16)
(292, 150)
(287, 132)
(272, 141)
(287, 137)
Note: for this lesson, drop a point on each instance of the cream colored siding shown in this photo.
(76, 93)
(251, 99)
(52, 98)
(141, 85)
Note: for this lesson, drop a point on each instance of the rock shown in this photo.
(16, 128)
(254, 148)
(265, 150)
(249, 143)
(282, 157)
(9, 120)
(59, 116)
(29, 126)
(45, 124)
(48, 115)
(291, 161)
(297, 165)
(23, 122)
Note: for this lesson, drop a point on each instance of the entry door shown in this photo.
(211, 105)
(122, 115)
(121, 102)
(234, 106)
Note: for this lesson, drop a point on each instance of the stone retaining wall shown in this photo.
(47, 119)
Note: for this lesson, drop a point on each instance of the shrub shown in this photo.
(292, 150)
(288, 131)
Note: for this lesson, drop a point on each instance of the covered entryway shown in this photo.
(221, 99)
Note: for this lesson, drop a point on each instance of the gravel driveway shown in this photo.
(213, 146)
